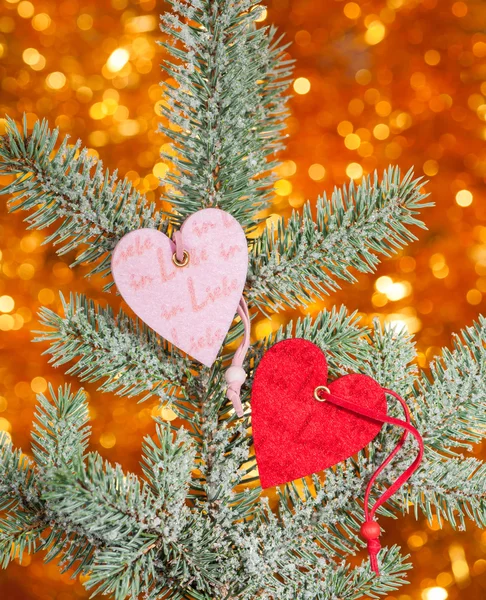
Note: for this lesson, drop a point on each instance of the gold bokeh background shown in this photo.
(376, 82)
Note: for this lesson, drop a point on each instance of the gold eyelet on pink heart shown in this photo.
(185, 259)
(321, 388)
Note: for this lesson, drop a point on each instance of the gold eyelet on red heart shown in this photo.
(321, 388)
(185, 259)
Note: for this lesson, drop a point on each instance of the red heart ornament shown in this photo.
(295, 434)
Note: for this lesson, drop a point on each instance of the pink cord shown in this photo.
(179, 248)
(370, 529)
(235, 376)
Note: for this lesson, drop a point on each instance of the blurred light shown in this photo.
(363, 76)
(302, 85)
(383, 108)
(7, 304)
(407, 264)
(444, 579)
(317, 172)
(303, 38)
(352, 141)
(435, 593)
(438, 265)
(432, 57)
(464, 198)
(26, 271)
(85, 22)
(296, 200)
(30, 56)
(262, 14)
(287, 168)
(38, 385)
(354, 170)
(117, 60)
(29, 243)
(383, 284)
(84, 93)
(129, 128)
(479, 49)
(431, 167)
(417, 540)
(403, 323)
(26, 10)
(375, 34)
(344, 128)
(378, 299)
(393, 290)
(399, 290)
(283, 187)
(5, 425)
(434, 524)
(459, 9)
(46, 296)
(474, 297)
(381, 131)
(460, 568)
(6, 322)
(356, 106)
(98, 111)
(108, 439)
(56, 80)
(41, 22)
(168, 414)
(263, 329)
(352, 10)
(141, 24)
(479, 567)
(160, 170)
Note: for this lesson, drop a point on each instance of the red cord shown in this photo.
(370, 529)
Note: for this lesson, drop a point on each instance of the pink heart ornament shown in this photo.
(193, 306)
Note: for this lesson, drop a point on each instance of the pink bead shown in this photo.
(235, 375)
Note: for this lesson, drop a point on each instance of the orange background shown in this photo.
(397, 81)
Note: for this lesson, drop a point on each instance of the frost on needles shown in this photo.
(194, 525)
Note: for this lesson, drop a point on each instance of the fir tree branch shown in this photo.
(167, 465)
(302, 261)
(91, 209)
(452, 401)
(125, 353)
(337, 333)
(227, 109)
(27, 522)
(321, 574)
(60, 431)
(390, 357)
(363, 582)
(453, 489)
(223, 456)
(20, 505)
(148, 545)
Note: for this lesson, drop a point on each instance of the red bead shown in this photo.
(370, 530)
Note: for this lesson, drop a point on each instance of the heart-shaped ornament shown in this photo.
(191, 306)
(296, 435)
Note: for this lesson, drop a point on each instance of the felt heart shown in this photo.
(295, 434)
(191, 306)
